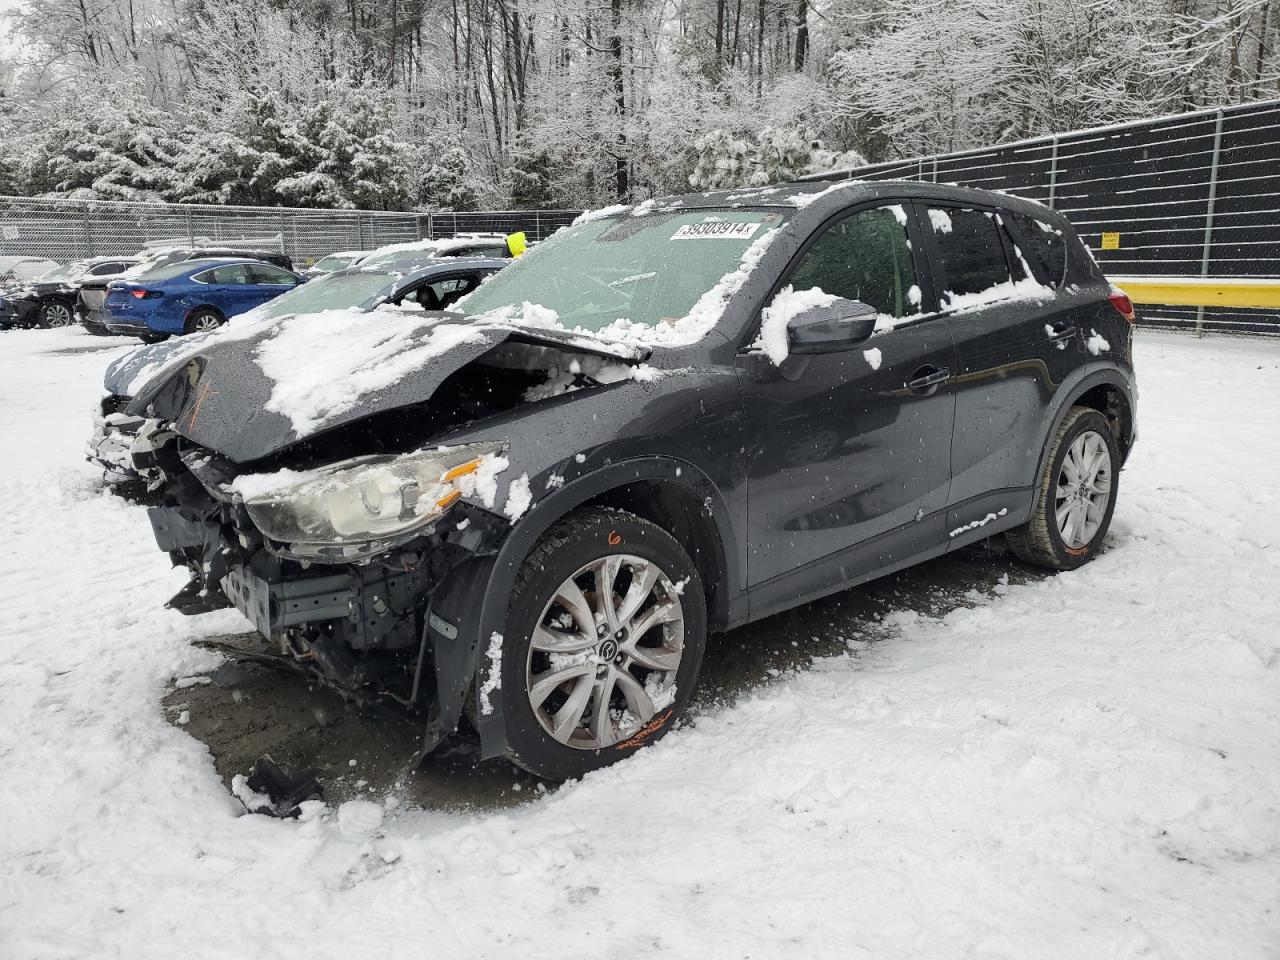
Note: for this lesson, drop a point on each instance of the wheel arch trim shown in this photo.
(498, 575)
(1089, 378)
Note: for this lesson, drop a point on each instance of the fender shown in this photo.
(474, 600)
(1079, 383)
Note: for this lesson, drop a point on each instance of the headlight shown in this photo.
(369, 500)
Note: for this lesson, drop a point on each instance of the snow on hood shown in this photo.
(325, 365)
(252, 389)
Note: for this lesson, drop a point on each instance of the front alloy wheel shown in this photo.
(605, 637)
(604, 656)
(56, 315)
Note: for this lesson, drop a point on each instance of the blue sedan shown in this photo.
(193, 296)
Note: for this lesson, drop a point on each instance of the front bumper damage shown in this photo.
(126, 447)
(359, 628)
(18, 312)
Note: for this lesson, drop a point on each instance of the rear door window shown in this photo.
(1044, 242)
(864, 257)
(972, 253)
(266, 273)
(236, 273)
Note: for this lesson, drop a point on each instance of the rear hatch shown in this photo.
(93, 298)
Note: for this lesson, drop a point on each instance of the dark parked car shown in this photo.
(50, 299)
(17, 270)
(426, 284)
(661, 422)
(93, 293)
(193, 296)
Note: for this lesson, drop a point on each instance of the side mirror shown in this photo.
(840, 325)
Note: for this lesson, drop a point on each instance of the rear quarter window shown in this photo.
(1044, 242)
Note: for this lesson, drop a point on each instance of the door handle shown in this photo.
(1060, 330)
(926, 379)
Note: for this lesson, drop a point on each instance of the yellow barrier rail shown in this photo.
(1254, 292)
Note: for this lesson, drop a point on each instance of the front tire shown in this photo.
(605, 633)
(55, 314)
(1076, 495)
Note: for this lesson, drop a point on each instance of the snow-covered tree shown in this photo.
(382, 103)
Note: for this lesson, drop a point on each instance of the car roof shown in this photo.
(837, 191)
(219, 261)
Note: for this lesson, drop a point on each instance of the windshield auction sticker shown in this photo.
(716, 230)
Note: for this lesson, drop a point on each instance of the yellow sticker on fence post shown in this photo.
(1111, 241)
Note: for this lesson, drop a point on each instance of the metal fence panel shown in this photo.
(1191, 195)
(536, 224)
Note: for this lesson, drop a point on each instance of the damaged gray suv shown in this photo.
(530, 510)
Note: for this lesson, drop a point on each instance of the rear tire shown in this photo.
(624, 685)
(1075, 496)
(203, 321)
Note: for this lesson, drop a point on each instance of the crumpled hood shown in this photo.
(253, 389)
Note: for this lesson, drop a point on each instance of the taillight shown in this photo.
(1124, 306)
(143, 294)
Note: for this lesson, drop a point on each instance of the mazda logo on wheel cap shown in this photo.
(609, 649)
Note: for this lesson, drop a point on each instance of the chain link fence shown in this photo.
(64, 230)
(1193, 195)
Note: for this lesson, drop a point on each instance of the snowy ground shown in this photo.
(1084, 766)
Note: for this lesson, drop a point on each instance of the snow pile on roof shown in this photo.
(586, 216)
(323, 364)
(802, 200)
(786, 306)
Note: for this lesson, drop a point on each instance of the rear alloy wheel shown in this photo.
(56, 315)
(1076, 495)
(204, 321)
(606, 631)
